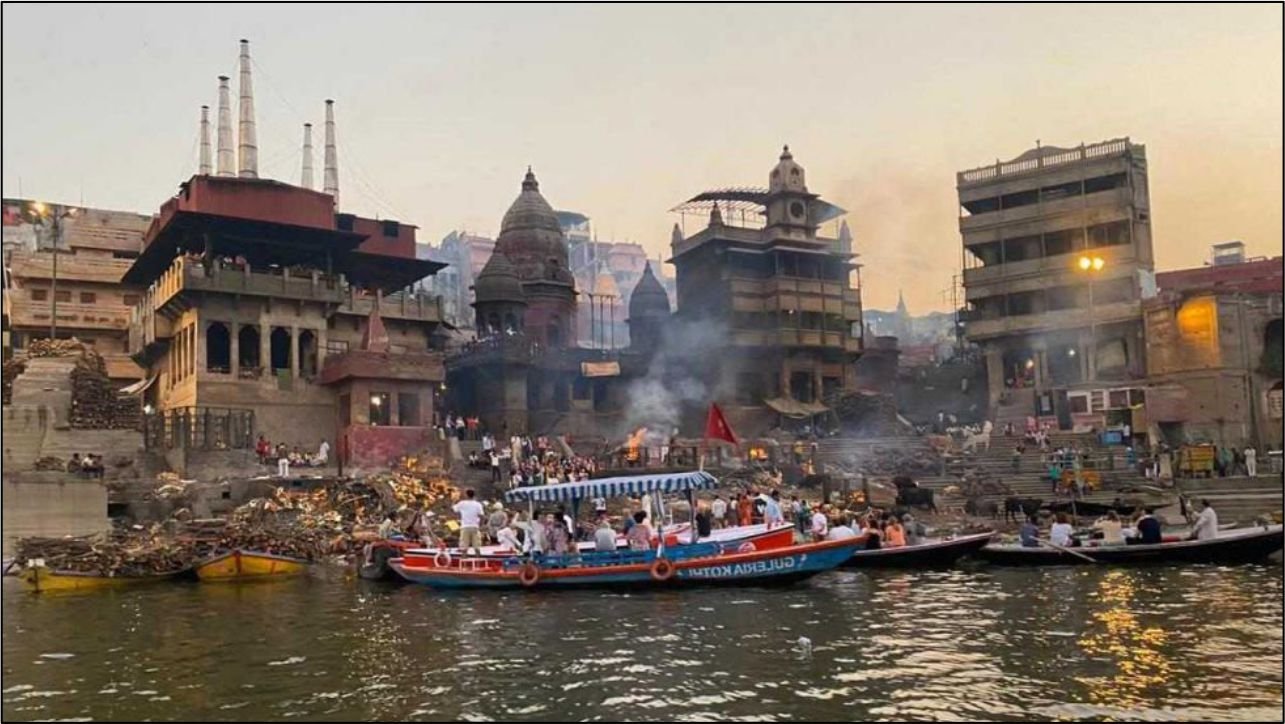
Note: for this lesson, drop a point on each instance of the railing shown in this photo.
(1000, 168)
(199, 428)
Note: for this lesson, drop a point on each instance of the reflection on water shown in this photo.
(1067, 643)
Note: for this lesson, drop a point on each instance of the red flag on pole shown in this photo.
(716, 426)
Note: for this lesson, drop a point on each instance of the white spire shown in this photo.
(247, 148)
(205, 166)
(226, 159)
(330, 174)
(306, 178)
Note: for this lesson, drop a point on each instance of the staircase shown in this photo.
(1237, 499)
(1015, 407)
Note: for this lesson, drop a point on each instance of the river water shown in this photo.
(1186, 643)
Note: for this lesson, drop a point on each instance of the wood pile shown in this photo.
(12, 368)
(867, 414)
(49, 462)
(54, 348)
(121, 553)
(96, 403)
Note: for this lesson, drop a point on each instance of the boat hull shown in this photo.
(935, 554)
(1236, 546)
(42, 579)
(239, 565)
(759, 568)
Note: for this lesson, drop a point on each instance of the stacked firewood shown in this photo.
(96, 403)
(121, 553)
(54, 347)
(49, 462)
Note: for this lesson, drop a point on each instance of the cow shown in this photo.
(916, 497)
(1027, 507)
(981, 508)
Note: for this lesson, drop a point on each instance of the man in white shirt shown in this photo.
(1251, 461)
(323, 452)
(470, 512)
(1206, 527)
(841, 531)
(604, 538)
(772, 509)
(820, 524)
(719, 510)
(1060, 533)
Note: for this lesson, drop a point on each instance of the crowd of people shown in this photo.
(1110, 530)
(284, 456)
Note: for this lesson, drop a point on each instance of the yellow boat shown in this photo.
(42, 579)
(240, 565)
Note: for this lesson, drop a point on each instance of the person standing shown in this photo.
(495, 466)
(323, 452)
(283, 462)
(772, 508)
(820, 524)
(745, 510)
(263, 448)
(719, 510)
(1251, 461)
(497, 520)
(470, 512)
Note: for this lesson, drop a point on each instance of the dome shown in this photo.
(788, 175)
(531, 237)
(649, 297)
(498, 282)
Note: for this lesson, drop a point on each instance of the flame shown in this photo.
(634, 444)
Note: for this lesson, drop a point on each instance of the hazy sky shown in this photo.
(626, 111)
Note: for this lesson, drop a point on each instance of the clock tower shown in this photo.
(789, 205)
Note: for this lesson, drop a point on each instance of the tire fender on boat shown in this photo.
(662, 569)
(529, 574)
(442, 559)
(747, 547)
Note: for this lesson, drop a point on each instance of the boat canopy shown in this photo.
(633, 486)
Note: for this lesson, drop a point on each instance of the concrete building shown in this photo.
(264, 308)
(1214, 353)
(1057, 259)
(94, 248)
(773, 297)
(464, 255)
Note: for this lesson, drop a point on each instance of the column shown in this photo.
(785, 377)
(321, 347)
(816, 381)
(1092, 357)
(265, 347)
(294, 351)
(234, 344)
(201, 358)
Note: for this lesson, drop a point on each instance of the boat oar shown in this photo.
(1064, 549)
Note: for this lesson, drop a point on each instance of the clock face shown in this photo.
(796, 210)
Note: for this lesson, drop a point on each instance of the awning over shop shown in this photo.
(791, 407)
(631, 486)
(138, 387)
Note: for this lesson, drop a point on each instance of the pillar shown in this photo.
(201, 358)
(234, 364)
(816, 381)
(265, 347)
(994, 374)
(294, 352)
(321, 347)
(1092, 358)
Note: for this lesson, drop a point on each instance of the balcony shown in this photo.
(27, 312)
(1117, 258)
(415, 307)
(794, 338)
(1119, 197)
(1048, 321)
(363, 364)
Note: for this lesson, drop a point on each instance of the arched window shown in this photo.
(218, 348)
(307, 353)
(247, 341)
(493, 323)
(511, 322)
(280, 348)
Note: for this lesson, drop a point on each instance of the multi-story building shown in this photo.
(84, 290)
(1214, 350)
(263, 305)
(774, 298)
(464, 255)
(1057, 259)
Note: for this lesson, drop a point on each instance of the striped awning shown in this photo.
(633, 486)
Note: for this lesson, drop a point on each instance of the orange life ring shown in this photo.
(529, 574)
(662, 569)
(747, 547)
(442, 559)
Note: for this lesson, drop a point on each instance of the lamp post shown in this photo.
(53, 213)
(1092, 265)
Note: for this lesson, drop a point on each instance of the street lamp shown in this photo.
(1092, 265)
(54, 213)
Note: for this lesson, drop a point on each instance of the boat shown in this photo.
(243, 565)
(645, 569)
(931, 553)
(670, 563)
(41, 579)
(1241, 545)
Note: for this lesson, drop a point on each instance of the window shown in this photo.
(1063, 242)
(344, 222)
(1112, 234)
(63, 295)
(39, 295)
(336, 346)
(408, 409)
(1104, 183)
(218, 348)
(812, 320)
(131, 300)
(1079, 403)
(1061, 191)
(380, 414)
(88, 297)
(1021, 198)
(392, 228)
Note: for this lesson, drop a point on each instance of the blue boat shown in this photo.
(668, 565)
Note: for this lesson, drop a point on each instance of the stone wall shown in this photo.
(51, 504)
